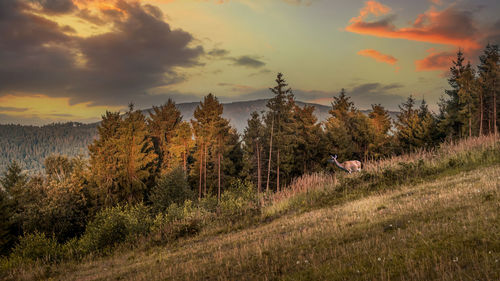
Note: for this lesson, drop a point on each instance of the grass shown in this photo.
(433, 215)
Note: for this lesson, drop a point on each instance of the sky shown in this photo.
(71, 60)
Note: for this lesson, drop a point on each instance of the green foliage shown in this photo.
(178, 221)
(162, 124)
(37, 246)
(239, 200)
(115, 225)
(7, 233)
(349, 133)
(415, 126)
(123, 160)
(171, 188)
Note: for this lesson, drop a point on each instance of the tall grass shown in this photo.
(319, 189)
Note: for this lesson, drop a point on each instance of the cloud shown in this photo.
(299, 2)
(13, 109)
(238, 88)
(363, 95)
(217, 52)
(450, 26)
(248, 61)
(139, 53)
(376, 55)
(56, 6)
(435, 61)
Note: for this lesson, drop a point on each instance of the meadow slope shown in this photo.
(442, 229)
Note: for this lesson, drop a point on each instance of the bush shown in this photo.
(36, 246)
(178, 221)
(115, 225)
(239, 200)
(172, 188)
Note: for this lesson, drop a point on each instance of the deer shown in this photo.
(347, 166)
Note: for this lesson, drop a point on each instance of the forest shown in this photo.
(145, 173)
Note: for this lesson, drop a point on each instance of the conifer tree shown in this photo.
(162, 125)
(467, 96)
(308, 136)
(182, 143)
(104, 158)
(7, 231)
(253, 147)
(349, 132)
(414, 125)
(211, 133)
(489, 79)
(13, 178)
(279, 125)
(137, 160)
(451, 123)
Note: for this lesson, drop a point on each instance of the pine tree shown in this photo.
(137, 160)
(13, 178)
(104, 158)
(162, 125)
(381, 121)
(7, 226)
(253, 147)
(415, 126)
(211, 133)
(349, 132)
(279, 125)
(182, 144)
(451, 123)
(309, 134)
(122, 160)
(467, 96)
(489, 79)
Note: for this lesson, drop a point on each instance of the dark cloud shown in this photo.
(140, 53)
(248, 61)
(56, 6)
(13, 109)
(219, 53)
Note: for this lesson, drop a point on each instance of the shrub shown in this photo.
(172, 188)
(239, 200)
(178, 221)
(36, 246)
(115, 225)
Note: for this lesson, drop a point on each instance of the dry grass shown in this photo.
(433, 154)
(434, 228)
(447, 229)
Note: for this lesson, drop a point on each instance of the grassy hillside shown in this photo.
(432, 215)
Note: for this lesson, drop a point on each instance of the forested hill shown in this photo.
(30, 145)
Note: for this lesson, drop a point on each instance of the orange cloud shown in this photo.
(435, 61)
(378, 56)
(371, 8)
(448, 27)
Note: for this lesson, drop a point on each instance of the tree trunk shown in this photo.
(470, 126)
(259, 189)
(481, 110)
(201, 170)
(185, 157)
(205, 173)
(270, 150)
(495, 108)
(278, 172)
(218, 164)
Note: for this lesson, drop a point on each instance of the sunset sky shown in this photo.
(70, 60)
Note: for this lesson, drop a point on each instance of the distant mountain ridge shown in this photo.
(30, 145)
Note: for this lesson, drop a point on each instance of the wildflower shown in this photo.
(455, 259)
(379, 259)
(298, 262)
